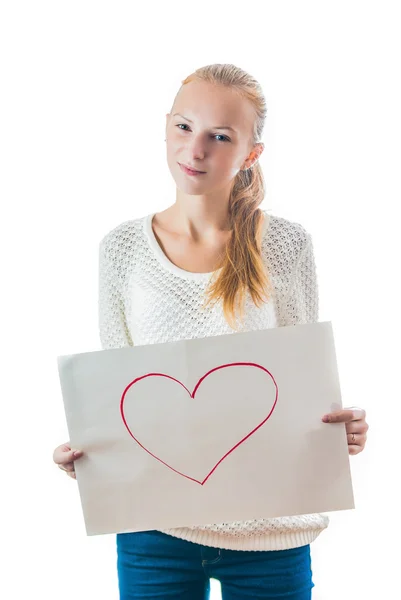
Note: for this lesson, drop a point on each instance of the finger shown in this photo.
(358, 439)
(72, 475)
(340, 416)
(67, 467)
(60, 451)
(63, 457)
(354, 449)
(345, 415)
(359, 413)
(357, 427)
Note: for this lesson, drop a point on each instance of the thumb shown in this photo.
(62, 456)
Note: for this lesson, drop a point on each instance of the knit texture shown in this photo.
(145, 299)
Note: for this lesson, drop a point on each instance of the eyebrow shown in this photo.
(220, 127)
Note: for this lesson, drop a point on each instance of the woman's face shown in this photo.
(210, 129)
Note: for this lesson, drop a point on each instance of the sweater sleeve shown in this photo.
(302, 301)
(113, 328)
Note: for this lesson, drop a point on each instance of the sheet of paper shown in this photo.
(208, 430)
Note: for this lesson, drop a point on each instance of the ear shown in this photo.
(260, 147)
(254, 155)
(167, 120)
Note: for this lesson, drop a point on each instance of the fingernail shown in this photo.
(77, 452)
(326, 419)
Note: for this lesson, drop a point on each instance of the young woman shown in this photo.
(213, 263)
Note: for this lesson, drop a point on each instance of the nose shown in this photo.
(197, 148)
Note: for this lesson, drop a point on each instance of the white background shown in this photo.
(85, 89)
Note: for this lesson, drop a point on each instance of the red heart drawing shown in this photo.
(192, 395)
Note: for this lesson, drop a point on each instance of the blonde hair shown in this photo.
(242, 267)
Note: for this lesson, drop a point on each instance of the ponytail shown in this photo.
(243, 269)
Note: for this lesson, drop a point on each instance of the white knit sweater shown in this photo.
(145, 299)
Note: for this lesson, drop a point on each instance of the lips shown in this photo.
(190, 169)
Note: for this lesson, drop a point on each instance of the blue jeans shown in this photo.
(155, 565)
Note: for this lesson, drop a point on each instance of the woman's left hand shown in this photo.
(355, 425)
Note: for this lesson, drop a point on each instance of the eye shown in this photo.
(225, 138)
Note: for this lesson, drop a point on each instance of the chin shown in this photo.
(192, 190)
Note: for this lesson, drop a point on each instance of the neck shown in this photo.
(201, 215)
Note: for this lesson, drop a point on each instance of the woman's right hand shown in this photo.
(64, 458)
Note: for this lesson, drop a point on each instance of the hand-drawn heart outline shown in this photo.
(192, 395)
